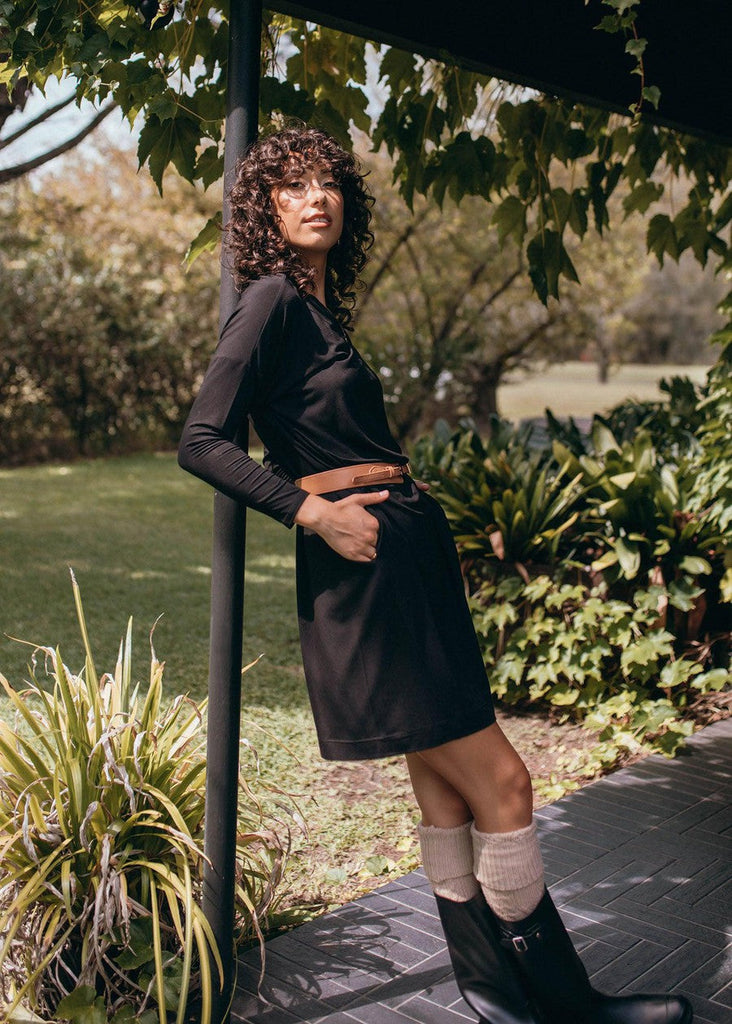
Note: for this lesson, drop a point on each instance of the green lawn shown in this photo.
(136, 531)
(572, 389)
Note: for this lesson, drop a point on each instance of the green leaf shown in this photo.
(636, 47)
(682, 594)
(207, 239)
(126, 1015)
(648, 649)
(172, 141)
(210, 166)
(629, 557)
(661, 237)
(621, 6)
(715, 679)
(397, 66)
(696, 565)
(544, 257)
(653, 94)
(563, 695)
(510, 219)
(463, 167)
(609, 23)
(623, 480)
(677, 672)
(336, 876)
(82, 1006)
(642, 196)
(377, 865)
(24, 44)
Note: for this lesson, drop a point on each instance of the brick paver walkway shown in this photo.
(640, 864)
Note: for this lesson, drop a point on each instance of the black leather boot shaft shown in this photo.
(486, 977)
(554, 974)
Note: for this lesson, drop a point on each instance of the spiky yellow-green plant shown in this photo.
(101, 855)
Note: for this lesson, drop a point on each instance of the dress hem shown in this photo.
(372, 748)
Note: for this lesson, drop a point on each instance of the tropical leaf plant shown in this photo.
(510, 505)
(594, 658)
(642, 519)
(101, 856)
(622, 626)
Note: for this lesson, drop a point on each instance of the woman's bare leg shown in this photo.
(479, 776)
(440, 803)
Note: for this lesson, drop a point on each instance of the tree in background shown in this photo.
(674, 314)
(449, 312)
(104, 336)
(14, 101)
(450, 131)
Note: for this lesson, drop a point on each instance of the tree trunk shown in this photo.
(484, 399)
(604, 352)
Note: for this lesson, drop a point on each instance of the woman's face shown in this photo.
(309, 209)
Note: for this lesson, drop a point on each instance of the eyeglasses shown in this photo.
(299, 188)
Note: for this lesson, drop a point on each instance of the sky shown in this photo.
(61, 126)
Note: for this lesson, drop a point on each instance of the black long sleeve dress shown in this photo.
(391, 660)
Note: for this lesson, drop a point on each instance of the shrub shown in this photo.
(101, 821)
(712, 466)
(596, 563)
(507, 504)
(104, 335)
(592, 657)
(642, 526)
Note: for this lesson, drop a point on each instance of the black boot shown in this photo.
(558, 981)
(487, 979)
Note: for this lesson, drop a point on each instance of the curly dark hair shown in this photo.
(254, 239)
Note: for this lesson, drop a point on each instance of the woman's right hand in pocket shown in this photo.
(345, 525)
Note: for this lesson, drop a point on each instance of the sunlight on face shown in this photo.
(309, 209)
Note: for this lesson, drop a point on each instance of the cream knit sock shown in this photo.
(510, 870)
(447, 856)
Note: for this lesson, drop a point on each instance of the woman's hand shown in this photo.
(420, 484)
(344, 525)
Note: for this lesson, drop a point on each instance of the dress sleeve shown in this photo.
(247, 349)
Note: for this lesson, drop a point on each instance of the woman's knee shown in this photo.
(515, 782)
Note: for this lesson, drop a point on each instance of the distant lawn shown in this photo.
(136, 531)
(572, 389)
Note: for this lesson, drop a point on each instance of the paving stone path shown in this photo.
(640, 864)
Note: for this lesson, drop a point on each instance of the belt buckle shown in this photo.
(385, 472)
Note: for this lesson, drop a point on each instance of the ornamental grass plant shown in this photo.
(101, 849)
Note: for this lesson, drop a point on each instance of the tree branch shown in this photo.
(523, 343)
(426, 293)
(18, 170)
(495, 294)
(450, 311)
(38, 119)
(412, 225)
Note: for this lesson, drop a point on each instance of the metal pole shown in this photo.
(227, 565)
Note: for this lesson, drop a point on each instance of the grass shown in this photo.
(572, 389)
(136, 531)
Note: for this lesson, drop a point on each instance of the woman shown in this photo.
(391, 659)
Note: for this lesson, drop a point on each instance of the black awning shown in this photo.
(553, 46)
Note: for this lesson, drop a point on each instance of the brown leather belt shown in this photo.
(353, 476)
